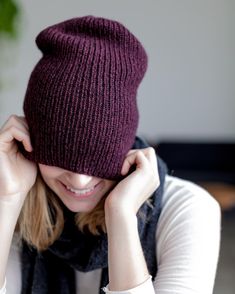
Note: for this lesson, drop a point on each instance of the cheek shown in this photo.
(48, 172)
(50, 180)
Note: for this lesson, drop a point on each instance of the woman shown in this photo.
(86, 206)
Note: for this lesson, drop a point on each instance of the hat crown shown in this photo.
(80, 103)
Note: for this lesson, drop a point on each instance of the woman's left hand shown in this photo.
(130, 193)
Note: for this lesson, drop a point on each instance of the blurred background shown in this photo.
(186, 100)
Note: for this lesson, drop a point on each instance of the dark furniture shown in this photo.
(214, 162)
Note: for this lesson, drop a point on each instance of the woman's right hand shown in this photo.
(17, 174)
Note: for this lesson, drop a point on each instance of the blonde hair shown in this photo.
(41, 220)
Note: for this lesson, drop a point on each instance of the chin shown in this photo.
(81, 207)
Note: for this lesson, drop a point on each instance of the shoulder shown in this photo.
(182, 194)
(187, 211)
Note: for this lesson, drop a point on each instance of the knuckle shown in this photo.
(12, 128)
(13, 117)
(139, 152)
(151, 150)
(156, 183)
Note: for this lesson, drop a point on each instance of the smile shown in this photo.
(80, 191)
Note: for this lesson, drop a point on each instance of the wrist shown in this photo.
(127, 266)
(10, 206)
(119, 209)
(120, 221)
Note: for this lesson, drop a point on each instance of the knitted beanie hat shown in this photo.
(80, 102)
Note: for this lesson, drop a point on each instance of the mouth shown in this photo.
(81, 193)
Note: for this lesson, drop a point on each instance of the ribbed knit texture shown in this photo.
(80, 103)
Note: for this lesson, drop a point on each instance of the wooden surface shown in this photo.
(223, 193)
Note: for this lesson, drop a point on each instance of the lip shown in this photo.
(83, 196)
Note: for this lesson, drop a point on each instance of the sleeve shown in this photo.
(188, 240)
(13, 271)
(146, 288)
(3, 289)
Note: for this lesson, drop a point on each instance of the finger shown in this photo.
(137, 158)
(22, 119)
(14, 120)
(150, 153)
(8, 136)
(152, 157)
(149, 150)
(134, 150)
(131, 151)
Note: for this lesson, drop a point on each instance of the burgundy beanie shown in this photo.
(80, 103)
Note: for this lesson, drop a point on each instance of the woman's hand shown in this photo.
(127, 265)
(17, 174)
(137, 187)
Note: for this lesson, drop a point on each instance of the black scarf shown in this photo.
(52, 271)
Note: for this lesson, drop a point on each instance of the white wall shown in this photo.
(189, 89)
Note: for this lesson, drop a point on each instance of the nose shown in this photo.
(79, 181)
